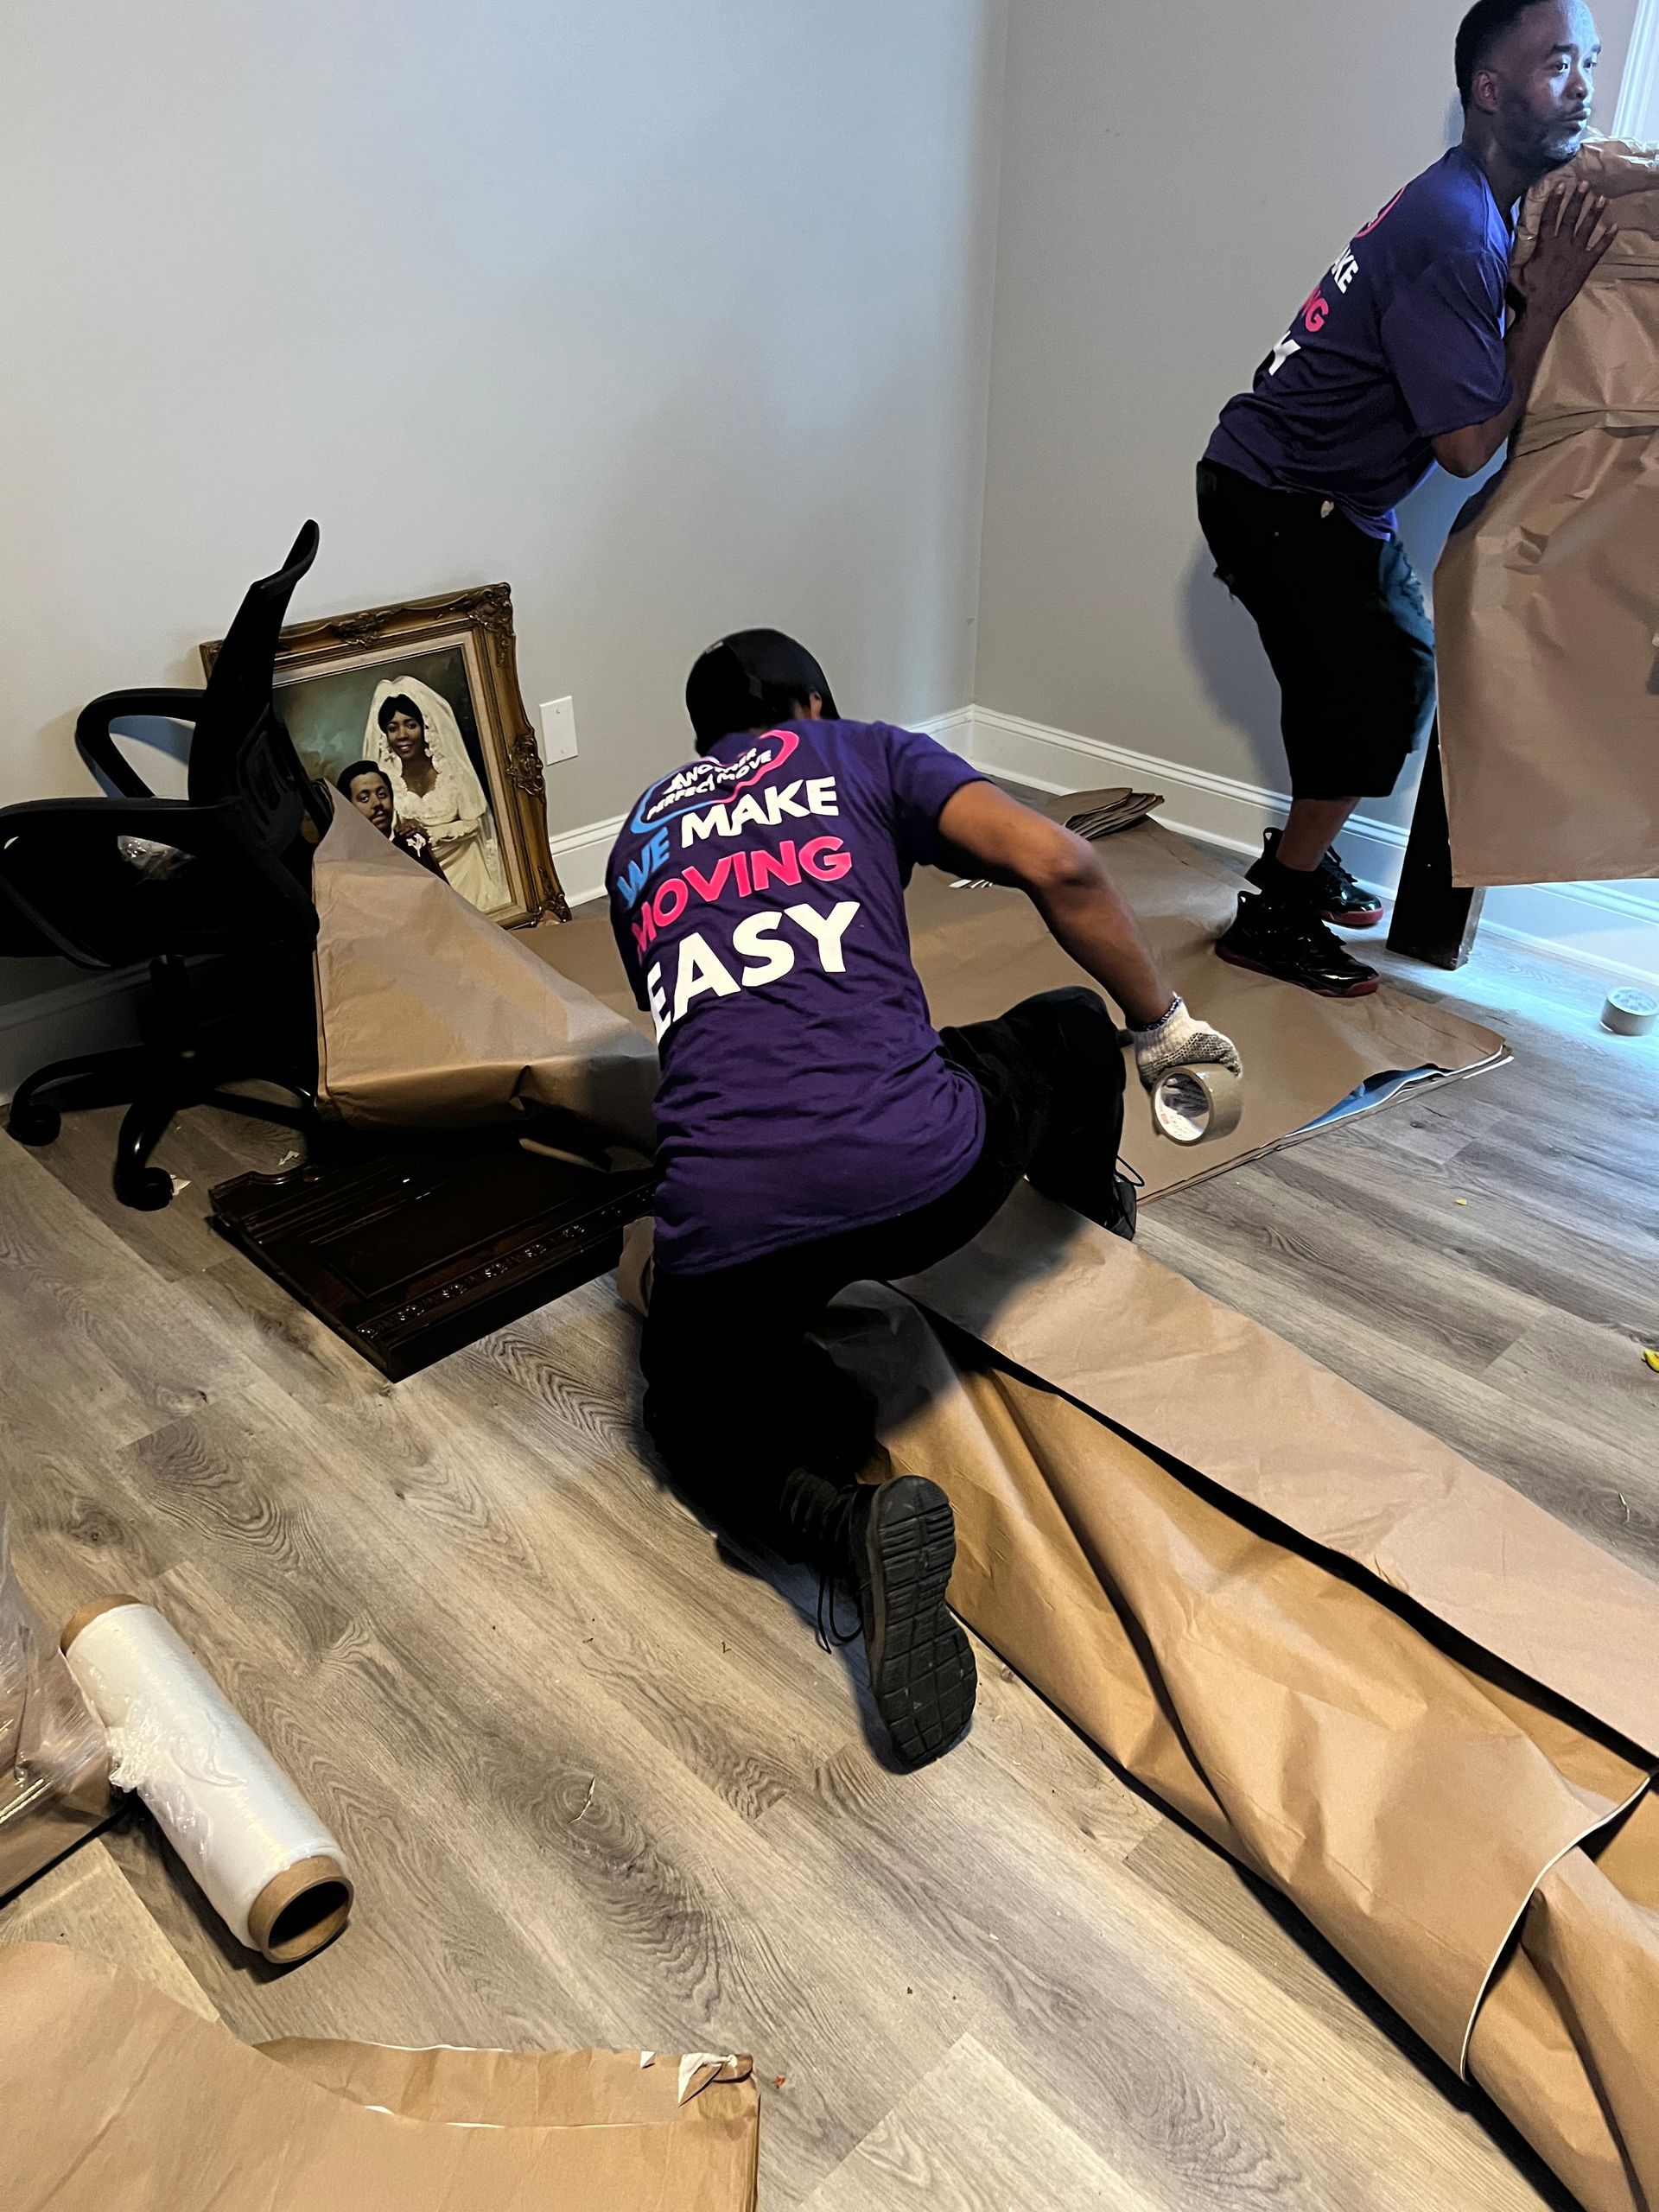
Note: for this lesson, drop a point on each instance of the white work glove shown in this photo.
(1180, 1041)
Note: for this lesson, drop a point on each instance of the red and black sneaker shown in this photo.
(1342, 898)
(1291, 942)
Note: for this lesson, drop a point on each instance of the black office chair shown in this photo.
(210, 889)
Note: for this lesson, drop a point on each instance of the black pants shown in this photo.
(1342, 620)
(736, 1394)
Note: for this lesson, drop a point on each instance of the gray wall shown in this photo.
(677, 318)
(1171, 187)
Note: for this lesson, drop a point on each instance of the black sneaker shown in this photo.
(1342, 898)
(895, 1543)
(903, 1538)
(1292, 943)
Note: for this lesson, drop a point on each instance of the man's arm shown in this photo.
(1573, 237)
(1066, 880)
(1063, 876)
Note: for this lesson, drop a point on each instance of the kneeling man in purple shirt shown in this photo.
(814, 1129)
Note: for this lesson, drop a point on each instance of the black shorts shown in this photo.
(1343, 619)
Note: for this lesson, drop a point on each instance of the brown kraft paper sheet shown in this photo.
(116, 2096)
(429, 1014)
(1546, 596)
(980, 950)
(1377, 1677)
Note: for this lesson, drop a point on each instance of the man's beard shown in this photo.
(1561, 145)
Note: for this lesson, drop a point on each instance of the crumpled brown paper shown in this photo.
(116, 2096)
(431, 1014)
(1546, 596)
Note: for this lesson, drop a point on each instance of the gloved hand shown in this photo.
(1181, 1040)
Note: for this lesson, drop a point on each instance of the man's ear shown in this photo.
(1483, 94)
(815, 706)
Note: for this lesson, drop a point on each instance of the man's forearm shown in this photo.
(1092, 921)
(983, 831)
(1465, 453)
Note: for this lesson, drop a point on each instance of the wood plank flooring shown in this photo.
(600, 1786)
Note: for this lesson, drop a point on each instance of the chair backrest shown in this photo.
(240, 748)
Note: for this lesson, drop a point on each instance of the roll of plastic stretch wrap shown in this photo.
(267, 1865)
(1195, 1105)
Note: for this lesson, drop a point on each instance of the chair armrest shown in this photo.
(67, 823)
(106, 819)
(98, 749)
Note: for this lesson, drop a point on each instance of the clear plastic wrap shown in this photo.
(54, 1764)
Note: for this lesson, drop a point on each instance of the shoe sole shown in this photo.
(1362, 989)
(1366, 919)
(1129, 1219)
(922, 1669)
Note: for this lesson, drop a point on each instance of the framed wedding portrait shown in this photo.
(412, 713)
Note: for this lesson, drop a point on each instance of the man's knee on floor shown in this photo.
(1088, 1032)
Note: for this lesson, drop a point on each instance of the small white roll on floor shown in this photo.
(268, 1865)
(1631, 1014)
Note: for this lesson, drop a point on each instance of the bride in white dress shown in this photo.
(414, 736)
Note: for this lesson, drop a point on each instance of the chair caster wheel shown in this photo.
(33, 1125)
(146, 1192)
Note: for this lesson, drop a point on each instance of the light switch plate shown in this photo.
(558, 718)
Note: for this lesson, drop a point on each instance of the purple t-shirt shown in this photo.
(756, 895)
(1400, 343)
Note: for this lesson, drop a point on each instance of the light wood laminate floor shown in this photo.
(601, 1787)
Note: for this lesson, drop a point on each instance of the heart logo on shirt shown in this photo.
(703, 782)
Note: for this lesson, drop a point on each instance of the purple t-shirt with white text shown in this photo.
(1400, 343)
(758, 897)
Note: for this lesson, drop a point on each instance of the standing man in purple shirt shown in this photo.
(1400, 358)
(814, 1129)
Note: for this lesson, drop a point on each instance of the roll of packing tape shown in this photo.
(1631, 1014)
(1195, 1105)
(267, 1865)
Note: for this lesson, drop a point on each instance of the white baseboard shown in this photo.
(1596, 927)
(579, 856)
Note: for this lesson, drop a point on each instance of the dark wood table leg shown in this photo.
(1433, 921)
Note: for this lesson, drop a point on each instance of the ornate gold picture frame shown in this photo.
(413, 712)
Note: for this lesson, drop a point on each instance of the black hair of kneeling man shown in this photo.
(750, 680)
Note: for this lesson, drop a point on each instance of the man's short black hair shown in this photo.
(348, 777)
(1478, 33)
(749, 680)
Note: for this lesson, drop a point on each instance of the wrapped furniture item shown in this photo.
(1547, 597)
(431, 1014)
(115, 2095)
(54, 1764)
